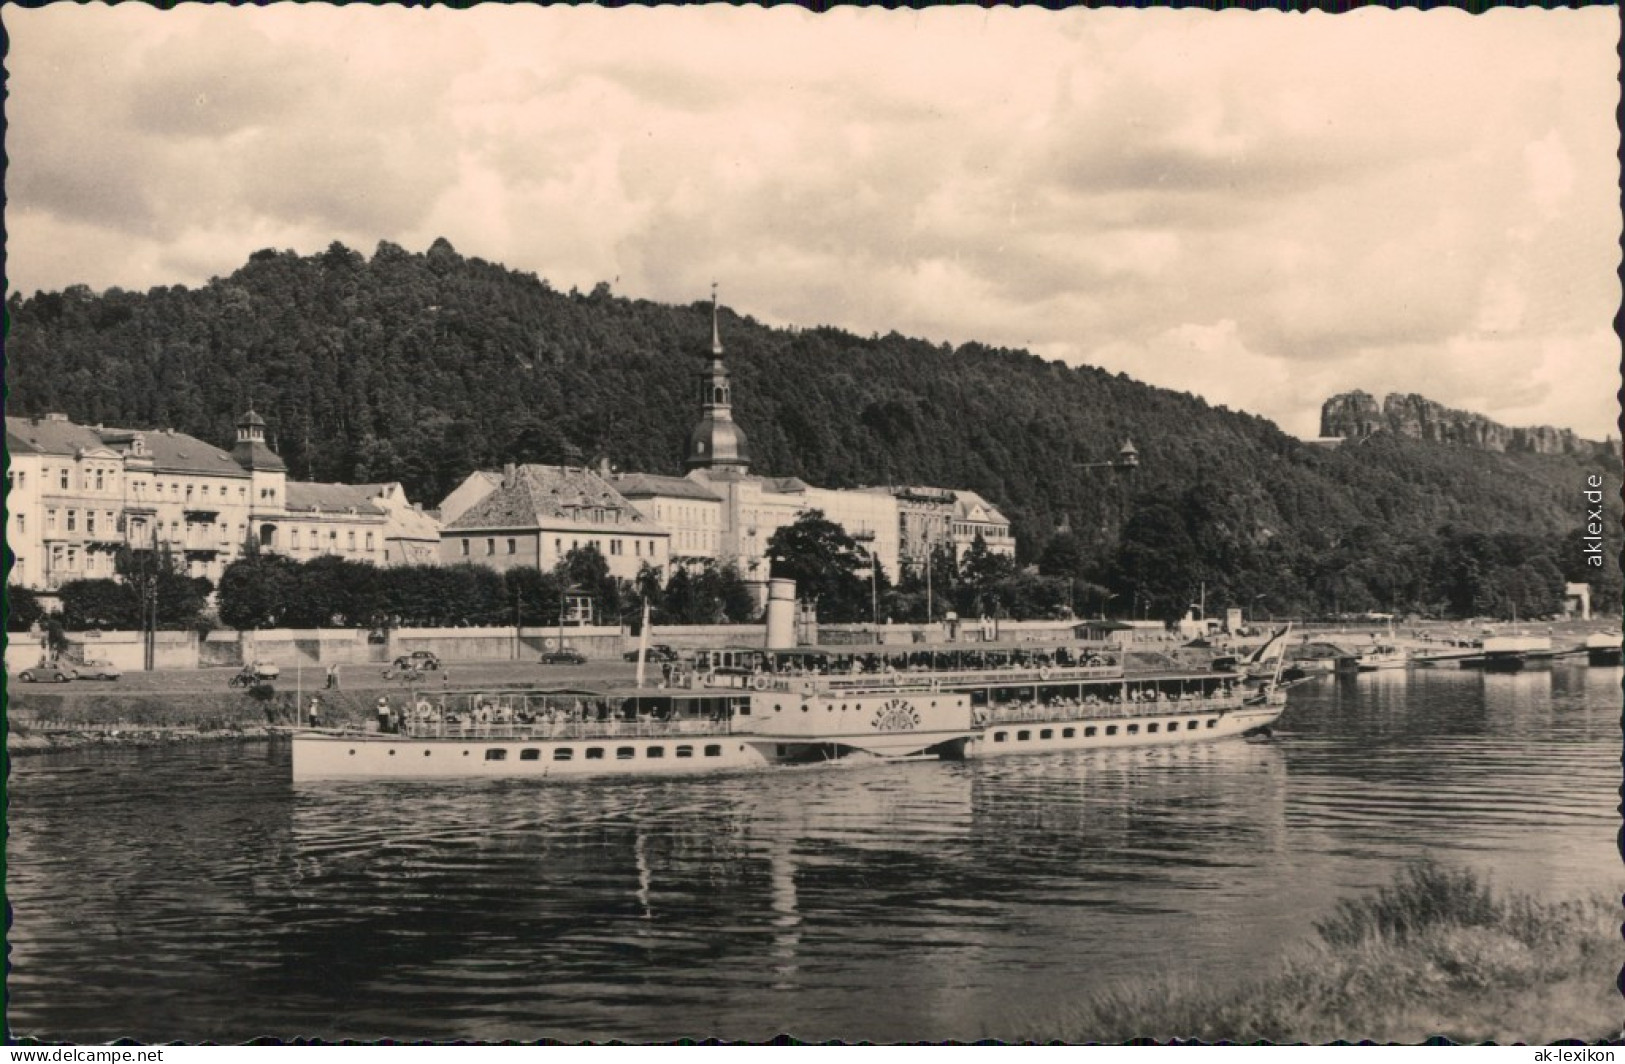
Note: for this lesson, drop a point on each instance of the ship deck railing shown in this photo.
(912, 679)
(1106, 710)
(562, 730)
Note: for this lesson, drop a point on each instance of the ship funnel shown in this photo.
(781, 614)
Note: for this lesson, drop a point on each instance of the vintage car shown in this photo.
(657, 653)
(422, 660)
(254, 674)
(566, 656)
(52, 672)
(96, 670)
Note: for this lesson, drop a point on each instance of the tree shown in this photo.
(823, 560)
(257, 591)
(23, 609)
(99, 605)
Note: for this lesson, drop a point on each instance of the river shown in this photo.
(193, 892)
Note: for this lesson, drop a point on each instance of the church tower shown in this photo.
(716, 444)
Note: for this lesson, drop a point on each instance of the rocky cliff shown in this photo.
(1355, 415)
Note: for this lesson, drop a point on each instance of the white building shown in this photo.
(537, 514)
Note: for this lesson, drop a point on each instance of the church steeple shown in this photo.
(716, 442)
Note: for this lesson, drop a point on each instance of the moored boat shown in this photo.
(1604, 649)
(579, 733)
(1384, 656)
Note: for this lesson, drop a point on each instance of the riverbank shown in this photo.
(39, 721)
(1436, 955)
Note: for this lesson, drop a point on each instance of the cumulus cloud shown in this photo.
(1262, 208)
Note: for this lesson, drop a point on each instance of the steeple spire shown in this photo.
(716, 332)
(716, 443)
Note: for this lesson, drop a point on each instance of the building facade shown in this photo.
(537, 514)
(79, 494)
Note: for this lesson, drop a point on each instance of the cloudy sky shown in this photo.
(1264, 209)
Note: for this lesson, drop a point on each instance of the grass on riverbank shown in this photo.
(1437, 954)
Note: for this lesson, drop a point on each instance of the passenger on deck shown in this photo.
(383, 715)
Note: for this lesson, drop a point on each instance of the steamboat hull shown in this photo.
(1002, 738)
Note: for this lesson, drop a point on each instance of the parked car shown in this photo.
(422, 660)
(96, 670)
(255, 673)
(567, 656)
(656, 653)
(53, 672)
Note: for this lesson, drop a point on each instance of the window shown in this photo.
(465, 548)
(1111, 729)
(513, 545)
(1047, 733)
(558, 547)
(490, 546)
(1149, 728)
(73, 558)
(637, 545)
(1088, 733)
(713, 750)
(530, 754)
(496, 753)
(1023, 736)
(73, 517)
(625, 753)
(595, 753)
(1190, 725)
(369, 541)
(188, 493)
(90, 522)
(655, 751)
(22, 522)
(563, 753)
(63, 482)
(50, 520)
(99, 480)
(1134, 729)
(349, 541)
(685, 751)
(1213, 722)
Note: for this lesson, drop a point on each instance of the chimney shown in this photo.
(603, 466)
(510, 474)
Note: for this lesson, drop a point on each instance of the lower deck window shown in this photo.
(1089, 733)
(493, 754)
(713, 751)
(1023, 736)
(1000, 736)
(1149, 727)
(1067, 733)
(595, 753)
(1111, 729)
(563, 753)
(655, 751)
(1134, 729)
(1190, 725)
(625, 753)
(1213, 722)
(685, 751)
(530, 754)
(1047, 733)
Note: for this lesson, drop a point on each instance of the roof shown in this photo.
(554, 497)
(973, 507)
(16, 444)
(307, 497)
(783, 485)
(171, 451)
(648, 485)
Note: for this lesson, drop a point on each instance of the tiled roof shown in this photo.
(176, 452)
(968, 501)
(560, 497)
(306, 497)
(646, 485)
(171, 452)
(17, 445)
(782, 485)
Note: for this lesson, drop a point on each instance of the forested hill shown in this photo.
(421, 367)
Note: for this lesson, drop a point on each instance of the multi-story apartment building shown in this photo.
(687, 509)
(80, 493)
